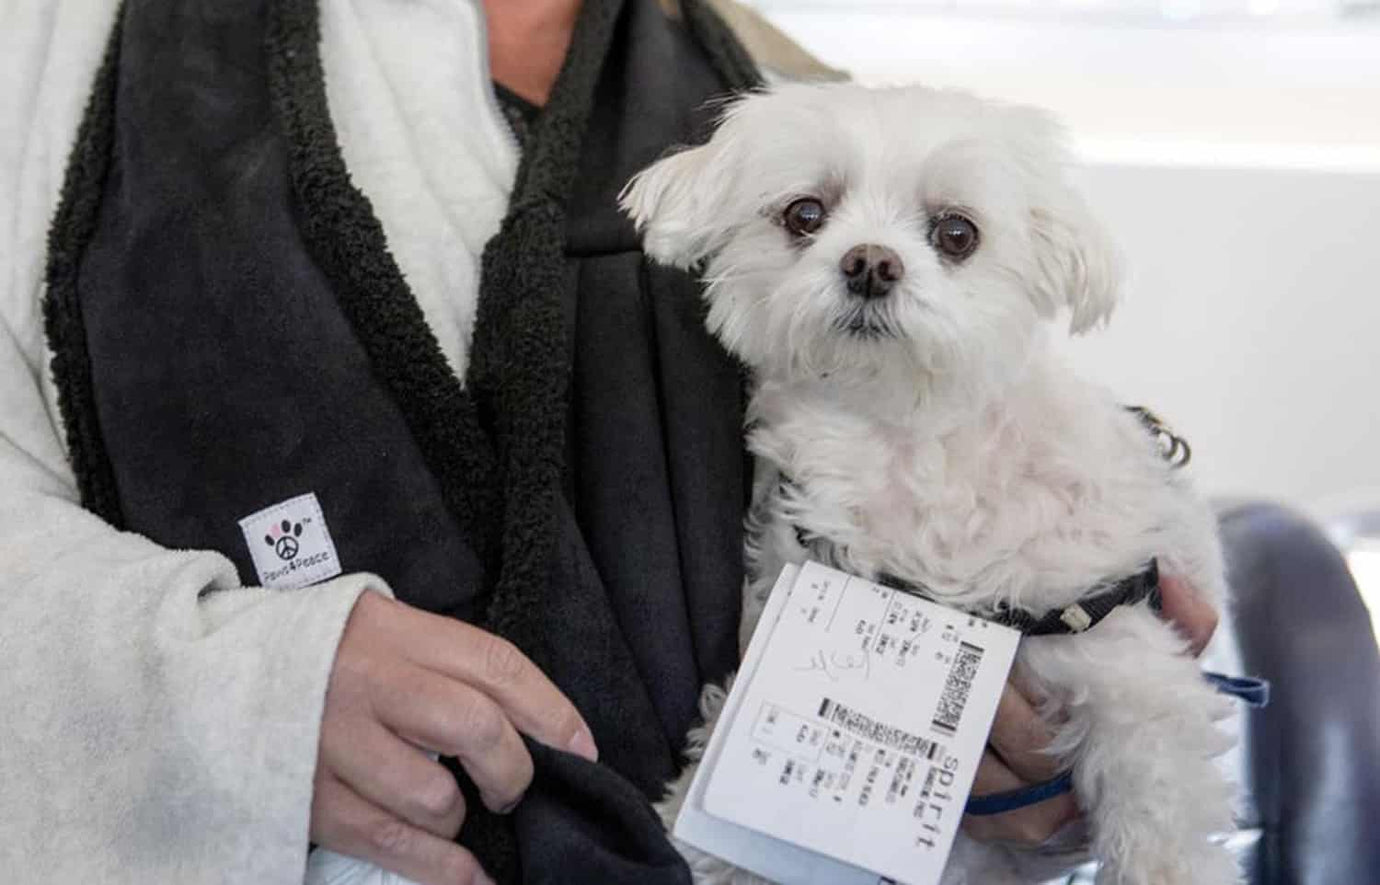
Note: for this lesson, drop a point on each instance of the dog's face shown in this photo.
(841, 228)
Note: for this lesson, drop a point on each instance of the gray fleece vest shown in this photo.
(230, 331)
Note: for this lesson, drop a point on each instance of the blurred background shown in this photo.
(1234, 148)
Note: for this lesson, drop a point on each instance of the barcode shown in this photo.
(866, 727)
(957, 687)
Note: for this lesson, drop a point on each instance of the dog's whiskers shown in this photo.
(722, 278)
(868, 322)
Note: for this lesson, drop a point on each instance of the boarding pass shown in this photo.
(847, 747)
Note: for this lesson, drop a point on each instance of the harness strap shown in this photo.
(1253, 691)
(1082, 615)
(1010, 800)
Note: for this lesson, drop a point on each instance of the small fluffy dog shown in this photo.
(886, 262)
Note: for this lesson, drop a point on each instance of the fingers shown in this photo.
(498, 669)
(1020, 736)
(1185, 608)
(1029, 826)
(402, 680)
(994, 776)
(397, 777)
(350, 824)
(1017, 760)
(456, 720)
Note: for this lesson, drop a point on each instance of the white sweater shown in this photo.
(151, 732)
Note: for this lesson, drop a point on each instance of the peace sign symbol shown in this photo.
(286, 548)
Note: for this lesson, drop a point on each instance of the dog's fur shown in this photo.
(931, 434)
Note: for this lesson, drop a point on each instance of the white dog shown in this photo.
(885, 262)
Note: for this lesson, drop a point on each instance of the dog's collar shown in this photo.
(1082, 615)
(1088, 611)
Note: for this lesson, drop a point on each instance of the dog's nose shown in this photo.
(871, 270)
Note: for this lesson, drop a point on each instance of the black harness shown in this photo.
(1079, 617)
(1087, 612)
(1082, 615)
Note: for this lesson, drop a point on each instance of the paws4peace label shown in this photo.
(290, 544)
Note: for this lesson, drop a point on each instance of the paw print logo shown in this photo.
(283, 538)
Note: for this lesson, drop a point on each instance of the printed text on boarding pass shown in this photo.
(858, 733)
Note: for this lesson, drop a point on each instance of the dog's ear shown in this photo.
(678, 203)
(1076, 263)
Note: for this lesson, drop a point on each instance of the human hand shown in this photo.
(1014, 758)
(406, 682)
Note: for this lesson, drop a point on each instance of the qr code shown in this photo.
(866, 727)
(957, 687)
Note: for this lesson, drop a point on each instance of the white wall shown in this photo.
(1239, 167)
(1252, 322)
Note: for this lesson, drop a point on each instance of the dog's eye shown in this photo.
(804, 216)
(955, 236)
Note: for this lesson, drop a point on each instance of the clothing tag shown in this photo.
(850, 740)
(290, 544)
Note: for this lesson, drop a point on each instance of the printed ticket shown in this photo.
(849, 742)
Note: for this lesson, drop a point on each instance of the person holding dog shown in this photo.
(342, 425)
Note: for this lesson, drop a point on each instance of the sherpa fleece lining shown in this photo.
(348, 243)
(67, 240)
